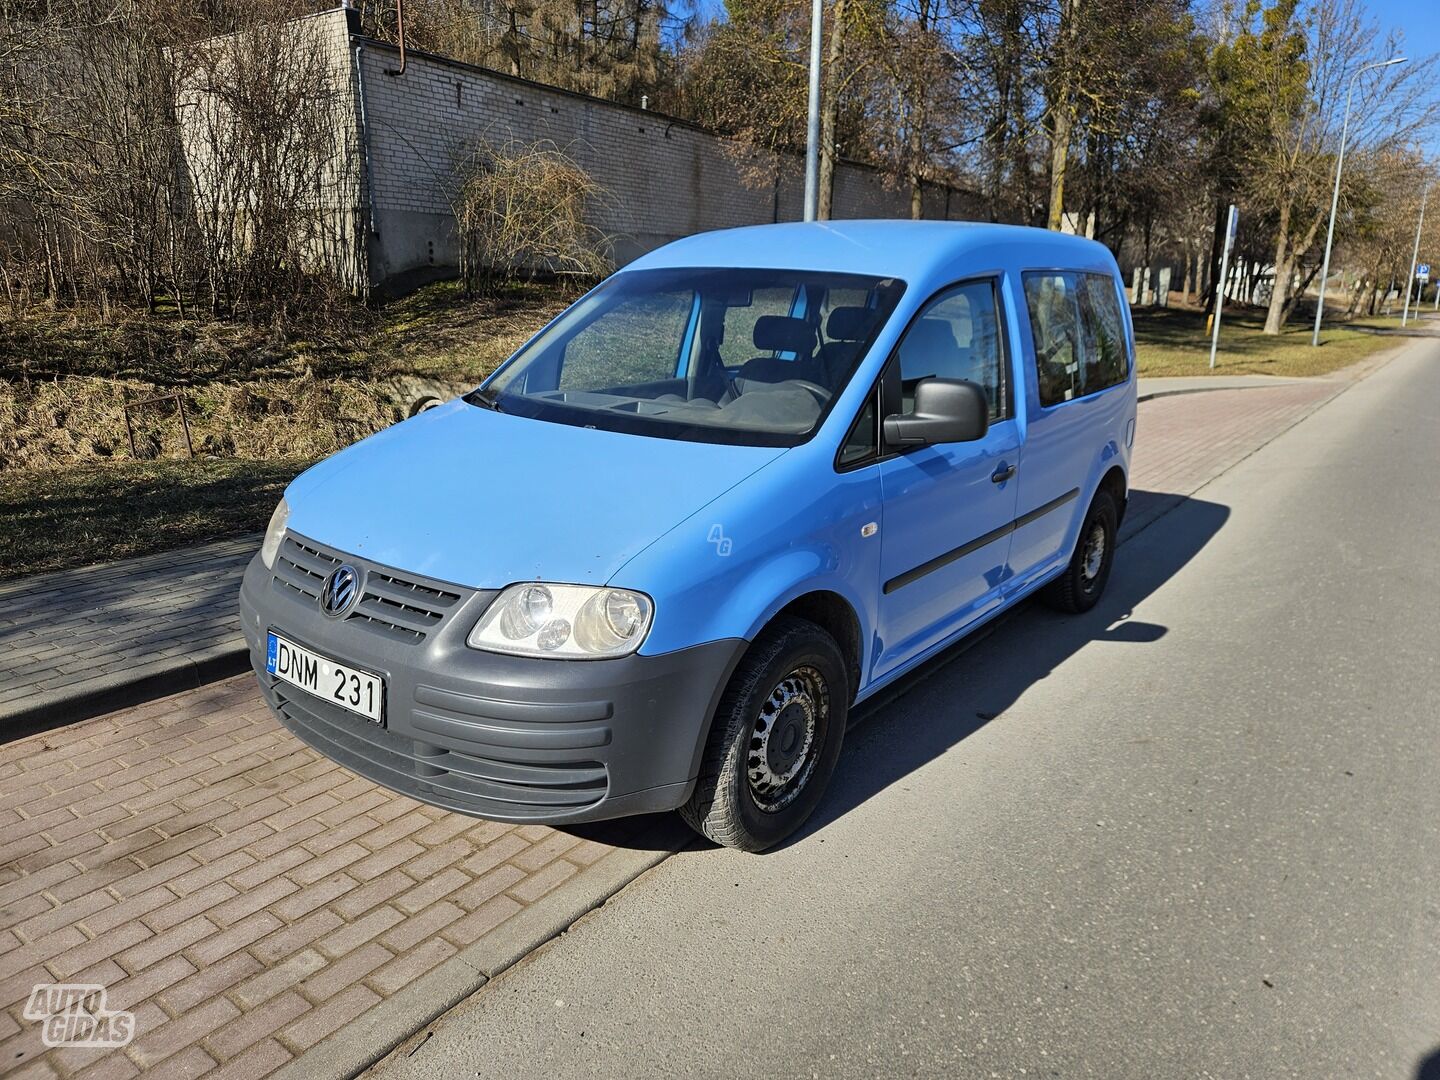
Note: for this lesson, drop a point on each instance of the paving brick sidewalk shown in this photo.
(80, 642)
(1183, 442)
(246, 899)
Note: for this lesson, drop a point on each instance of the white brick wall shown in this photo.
(665, 179)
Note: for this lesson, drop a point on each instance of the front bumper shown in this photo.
(502, 737)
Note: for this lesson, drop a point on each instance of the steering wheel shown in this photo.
(821, 394)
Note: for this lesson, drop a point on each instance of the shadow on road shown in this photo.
(1187, 524)
(965, 703)
(1429, 1069)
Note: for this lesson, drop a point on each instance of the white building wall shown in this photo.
(664, 178)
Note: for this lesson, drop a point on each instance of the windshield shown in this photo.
(713, 355)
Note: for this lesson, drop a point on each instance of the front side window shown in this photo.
(749, 356)
(1079, 334)
(957, 336)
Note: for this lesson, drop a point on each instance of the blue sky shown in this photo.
(1418, 19)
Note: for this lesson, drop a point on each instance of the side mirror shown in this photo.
(946, 411)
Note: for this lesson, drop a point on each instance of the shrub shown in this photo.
(522, 207)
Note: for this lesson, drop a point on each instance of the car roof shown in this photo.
(914, 251)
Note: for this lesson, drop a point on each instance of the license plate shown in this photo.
(350, 688)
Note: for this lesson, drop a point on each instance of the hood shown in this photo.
(481, 499)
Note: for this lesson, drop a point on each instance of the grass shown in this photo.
(436, 332)
(1424, 318)
(55, 519)
(441, 333)
(1173, 341)
(111, 507)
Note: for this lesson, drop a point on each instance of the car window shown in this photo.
(1079, 330)
(1055, 325)
(630, 345)
(863, 439)
(710, 354)
(1107, 361)
(957, 336)
(738, 345)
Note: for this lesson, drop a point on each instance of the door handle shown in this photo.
(1003, 473)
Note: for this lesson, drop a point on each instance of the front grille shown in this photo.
(397, 607)
(304, 568)
(403, 609)
(433, 773)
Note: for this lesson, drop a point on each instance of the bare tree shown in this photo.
(1290, 181)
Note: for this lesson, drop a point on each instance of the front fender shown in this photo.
(727, 570)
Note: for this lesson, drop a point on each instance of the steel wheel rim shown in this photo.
(784, 746)
(1094, 557)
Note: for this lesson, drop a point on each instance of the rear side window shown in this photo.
(1079, 334)
(1107, 360)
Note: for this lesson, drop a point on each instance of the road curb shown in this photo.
(404, 1015)
(120, 690)
(1151, 395)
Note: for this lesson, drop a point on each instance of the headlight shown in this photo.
(274, 533)
(566, 621)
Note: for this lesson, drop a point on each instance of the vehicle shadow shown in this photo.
(976, 680)
(1429, 1069)
(1175, 529)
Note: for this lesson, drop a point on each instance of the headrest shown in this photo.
(783, 333)
(850, 323)
(930, 340)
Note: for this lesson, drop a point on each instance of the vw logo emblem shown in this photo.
(341, 590)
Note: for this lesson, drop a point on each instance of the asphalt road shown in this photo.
(1193, 833)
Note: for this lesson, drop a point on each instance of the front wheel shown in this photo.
(1079, 588)
(775, 738)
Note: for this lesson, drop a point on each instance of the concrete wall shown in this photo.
(665, 179)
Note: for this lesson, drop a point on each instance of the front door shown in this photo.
(948, 508)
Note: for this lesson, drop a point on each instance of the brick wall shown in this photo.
(665, 179)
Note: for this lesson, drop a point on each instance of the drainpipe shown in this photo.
(400, 29)
(365, 142)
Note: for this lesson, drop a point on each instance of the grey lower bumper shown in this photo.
(506, 738)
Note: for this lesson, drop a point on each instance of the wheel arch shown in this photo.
(1116, 485)
(834, 614)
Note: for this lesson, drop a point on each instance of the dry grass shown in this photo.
(261, 409)
(1172, 341)
(442, 333)
(55, 519)
(63, 384)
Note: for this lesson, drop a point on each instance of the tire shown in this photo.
(794, 678)
(1080, 587)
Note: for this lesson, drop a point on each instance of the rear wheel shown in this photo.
(1079, 588)
(775, 738)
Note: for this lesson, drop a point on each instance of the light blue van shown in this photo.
(657, 558)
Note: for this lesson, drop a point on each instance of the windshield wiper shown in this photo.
(486, 399)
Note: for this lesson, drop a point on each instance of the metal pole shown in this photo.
(812, 123)
(1415, 259)
(1232, 219)
(1335, 198)
(1334, 205)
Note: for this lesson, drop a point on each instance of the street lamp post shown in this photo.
(1415, 261)
(1335, 198)
(812, 122)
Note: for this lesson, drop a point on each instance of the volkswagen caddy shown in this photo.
(654, 561)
